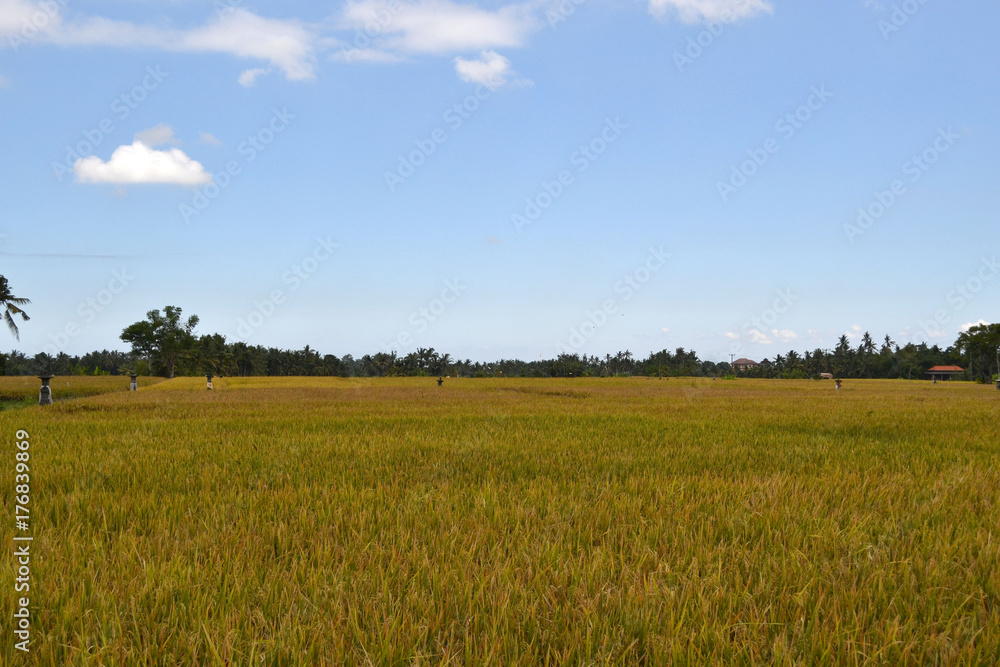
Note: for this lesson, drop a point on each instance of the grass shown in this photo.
(304, 521)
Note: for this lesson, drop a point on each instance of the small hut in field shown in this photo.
(944, 372)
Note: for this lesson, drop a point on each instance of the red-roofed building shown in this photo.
(944, 372)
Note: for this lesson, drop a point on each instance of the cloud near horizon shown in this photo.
(968, 325)
(759, 337)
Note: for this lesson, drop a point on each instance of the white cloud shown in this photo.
(138, 163)
(249, 77)
(356, 55)
(437, 26)
(491, 69)
(156, 136)
(731, 335)
(785, 335)
(285, 43)
(392, 31)
(969, 325)
(665, 330)
(695, 11)
(209, 138)
(21, 19)
(759, 337)
(289, 45)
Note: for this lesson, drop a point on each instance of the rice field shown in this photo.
(326, 521)
(22, 390)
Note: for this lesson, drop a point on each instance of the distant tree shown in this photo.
(980, 344)
(212, 355)
(843, 357)
(12, 306)
(441, 365)
(246, 360)
(565, 365)
(865, 354)
(380, 364)
(164, 337)
(887, 346)
(867, 344)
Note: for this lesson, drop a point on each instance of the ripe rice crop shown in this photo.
(16, 390)
(302, 521)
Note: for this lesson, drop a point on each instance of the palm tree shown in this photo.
(793, 361)
(11, 306)
(867, 344)
(442, 364)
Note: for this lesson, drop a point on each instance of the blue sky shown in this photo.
(501, 180)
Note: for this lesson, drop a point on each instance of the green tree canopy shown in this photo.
(162, 337)
(979, 344)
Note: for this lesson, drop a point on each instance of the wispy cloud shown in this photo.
(76, 255)
(156, 136)
(248, 79)
(439, 26)
(287, 44)
(785, 335)
(394, 31)
(695, 11)
(15, 15)
(491, 70)
(209, 138)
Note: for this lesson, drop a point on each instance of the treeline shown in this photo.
(890, 361)
(212, 354)
(165, 344)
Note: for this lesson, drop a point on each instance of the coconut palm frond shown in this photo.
(10, 324)
(17, 311)
(11, 306)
